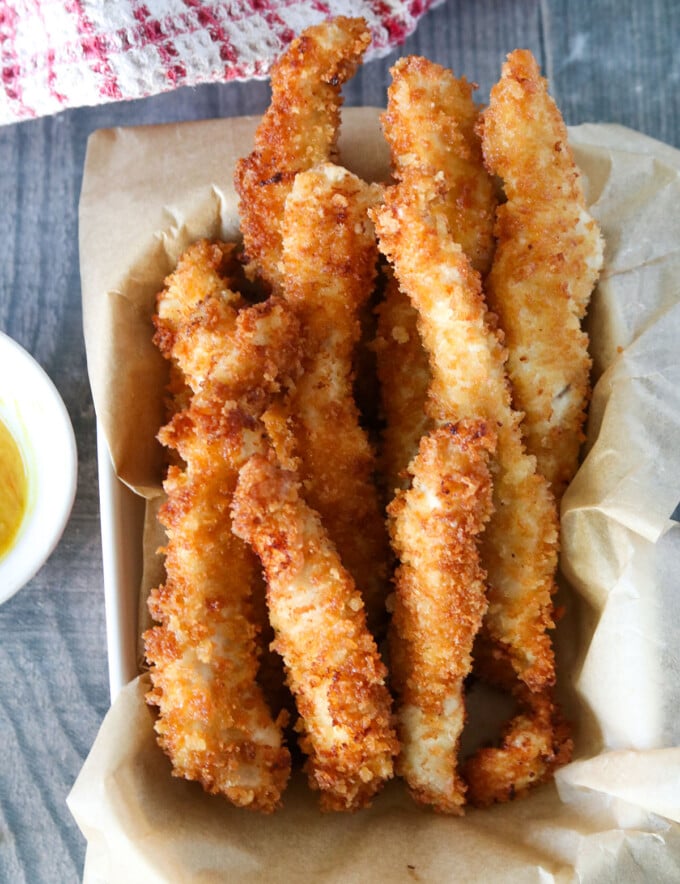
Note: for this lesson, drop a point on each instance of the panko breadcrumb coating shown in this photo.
(533, 744)
(519, 546)
(430, 126)
(213, 721)
(329, 263)
(298, 131)
(268, 450)
(467, 362)
(334, 669)
(404, 374)
(546, 265)
(439, 602)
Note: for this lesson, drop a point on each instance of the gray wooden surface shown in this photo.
(608, 60)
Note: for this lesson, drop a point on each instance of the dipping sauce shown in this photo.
(13, 489)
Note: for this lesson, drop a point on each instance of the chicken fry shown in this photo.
(298, 131)
(430, 126)
(547, 262)
(333, 666)
(467, 364)
(329, 261)
(202, 271)
(440, 600)
(213, 721)
(534, 743)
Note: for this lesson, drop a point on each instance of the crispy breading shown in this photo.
(203, 349)
(440, 599)
(546, 265)
(334, 670)
(329, 261)
(298, 131)
(467, 360)
(204, 269)
(430, 126)
(213, 721)
(534, 743)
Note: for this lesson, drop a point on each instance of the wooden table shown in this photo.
(607, 60)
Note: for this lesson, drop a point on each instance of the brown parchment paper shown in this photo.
(614, 813)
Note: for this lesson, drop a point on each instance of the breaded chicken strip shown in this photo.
(440, 600)
(547, 262)
(467, 360)
(329, 261)
(298, 131)
(190, 332)
(534, 743)
(213, 721)
(205, 269)
(334, 669)
(430, 126)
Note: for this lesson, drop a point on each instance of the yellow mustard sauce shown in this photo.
(13, 489)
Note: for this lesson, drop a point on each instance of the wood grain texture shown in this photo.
(610, 60)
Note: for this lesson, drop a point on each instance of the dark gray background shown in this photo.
(607, 60)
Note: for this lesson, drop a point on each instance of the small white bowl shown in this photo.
(33, 412)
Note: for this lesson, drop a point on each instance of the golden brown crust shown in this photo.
(440, 599)
(467, 364)
(204, 269)
(329, 261)
(430, 125)
(546, 265)
(307, 237)
(298, 131)
(534, 743)
(333, 666)
(213, 721)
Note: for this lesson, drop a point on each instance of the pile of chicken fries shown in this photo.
(376, 402)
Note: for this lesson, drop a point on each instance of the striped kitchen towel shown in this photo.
(66, 53)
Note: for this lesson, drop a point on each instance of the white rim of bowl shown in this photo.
(38, 420)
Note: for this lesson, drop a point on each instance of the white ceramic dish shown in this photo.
(122, 522)
(32, 410)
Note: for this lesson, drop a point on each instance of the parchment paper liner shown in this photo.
(614, 813)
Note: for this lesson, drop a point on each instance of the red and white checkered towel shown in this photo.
(65, 53)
